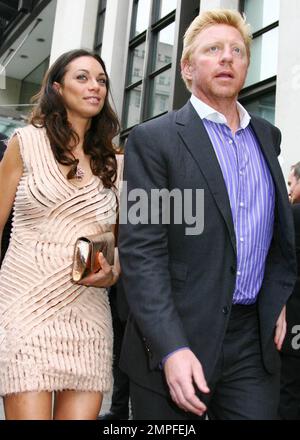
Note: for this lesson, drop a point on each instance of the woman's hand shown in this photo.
(106, 276)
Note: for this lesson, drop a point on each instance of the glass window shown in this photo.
(164, 46)
(132, 107)
(166, 6)
(261, 13)
(137, 98)
(150, 59)
(136, 66)
(160, 91)
(137, 73)
(163, 103)
(142, 16)
(263, 106)
(264, 57)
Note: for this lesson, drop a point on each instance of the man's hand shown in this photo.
(183, 372)
(280, 331)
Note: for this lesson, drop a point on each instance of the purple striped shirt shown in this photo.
(252, 199)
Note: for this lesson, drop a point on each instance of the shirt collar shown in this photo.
(209, 113)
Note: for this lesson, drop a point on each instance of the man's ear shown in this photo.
(186, 69)
(56, 86)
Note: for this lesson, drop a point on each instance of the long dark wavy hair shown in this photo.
(50, 112)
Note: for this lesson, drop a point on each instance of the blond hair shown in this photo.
(209, 18)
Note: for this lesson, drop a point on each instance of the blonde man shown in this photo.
(207, 307)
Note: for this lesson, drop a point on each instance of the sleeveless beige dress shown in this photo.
(54, 334)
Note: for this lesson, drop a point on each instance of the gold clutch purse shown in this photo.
(87, 249)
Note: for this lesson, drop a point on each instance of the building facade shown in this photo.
(141, 43)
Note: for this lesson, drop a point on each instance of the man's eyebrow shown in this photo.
(218, 41)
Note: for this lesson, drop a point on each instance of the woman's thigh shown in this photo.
(28, 406)
(77, 405)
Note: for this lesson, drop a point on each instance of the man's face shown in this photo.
(218, 65)
(294, 188)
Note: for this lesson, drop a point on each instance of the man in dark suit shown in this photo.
(207, 302)
(119, 408)
(290, 369)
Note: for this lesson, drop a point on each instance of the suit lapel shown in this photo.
(194, 136)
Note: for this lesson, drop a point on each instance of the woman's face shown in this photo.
(83, 88)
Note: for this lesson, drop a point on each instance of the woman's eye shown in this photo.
(81, 77)
(102, 81)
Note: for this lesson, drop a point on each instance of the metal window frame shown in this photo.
(257, 89)
(183, 15)
(151, 72)
(101, 13)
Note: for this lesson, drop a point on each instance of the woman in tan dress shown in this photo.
(60, 174)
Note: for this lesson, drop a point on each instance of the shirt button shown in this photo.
(241, 173)
(242, 205)
(230, 141)
(239, 273)
(242, 239)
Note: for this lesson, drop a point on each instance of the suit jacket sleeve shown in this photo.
(144, 247)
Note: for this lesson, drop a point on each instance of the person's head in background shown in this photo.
(294, 183)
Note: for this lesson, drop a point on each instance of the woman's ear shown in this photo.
(56, 86)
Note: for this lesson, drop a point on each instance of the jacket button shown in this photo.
(225, 310)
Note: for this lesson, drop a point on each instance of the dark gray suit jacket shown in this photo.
(179, 287)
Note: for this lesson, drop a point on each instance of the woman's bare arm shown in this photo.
(11, 169)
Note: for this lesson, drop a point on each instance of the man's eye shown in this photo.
(213, 48)
(237, 50)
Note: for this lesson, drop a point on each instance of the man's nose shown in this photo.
(226, 55)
